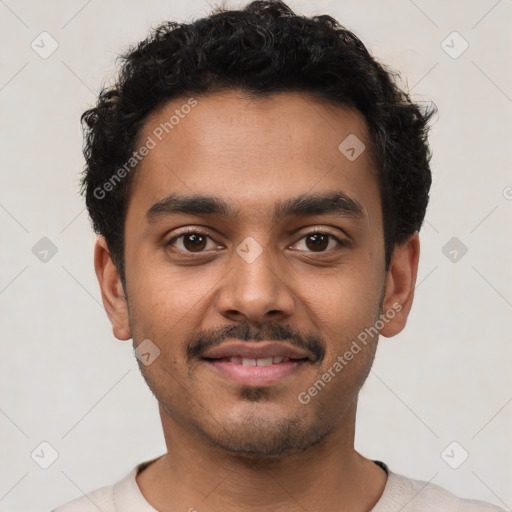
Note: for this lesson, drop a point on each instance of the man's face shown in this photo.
(258, 283)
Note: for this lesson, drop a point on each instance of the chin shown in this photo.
(255, 436)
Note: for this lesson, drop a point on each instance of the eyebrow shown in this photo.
(336, 202)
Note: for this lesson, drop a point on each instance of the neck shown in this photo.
(330, 475)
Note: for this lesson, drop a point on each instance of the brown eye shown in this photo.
(194, 242)
(317, 241)
(191, 242)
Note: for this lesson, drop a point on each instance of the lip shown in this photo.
(256, 350)
(256, 375)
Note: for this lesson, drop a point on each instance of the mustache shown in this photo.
(208, 339)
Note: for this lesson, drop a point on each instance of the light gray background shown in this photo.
(66, 380)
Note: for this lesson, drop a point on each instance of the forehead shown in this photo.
(254, 152)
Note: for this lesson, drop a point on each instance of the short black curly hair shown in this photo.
(262, 49)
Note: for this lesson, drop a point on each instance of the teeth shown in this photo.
(264, 361)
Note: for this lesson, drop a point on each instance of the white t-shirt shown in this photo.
(400, 494)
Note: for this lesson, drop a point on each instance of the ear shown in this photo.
(400, 284)
(112, 292)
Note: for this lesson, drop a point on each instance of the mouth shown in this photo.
(262, 371)
(250, 361)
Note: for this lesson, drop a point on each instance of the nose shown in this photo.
(255, 291)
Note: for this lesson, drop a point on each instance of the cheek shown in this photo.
(343, 307)
(347, 325)
(347, 297)
(165, 302)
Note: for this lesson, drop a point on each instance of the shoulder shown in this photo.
(123, 496)
(409, 495)
(100, 499)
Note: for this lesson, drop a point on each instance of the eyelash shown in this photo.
(195, 231)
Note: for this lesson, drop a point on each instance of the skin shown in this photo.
(232, 447)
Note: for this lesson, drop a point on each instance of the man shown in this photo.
(258, 182)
